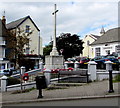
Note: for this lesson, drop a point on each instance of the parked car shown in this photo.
(71, 59)
(8, 72)
(83, 60)
(97, 58)
(112, 59)
(117, 56)
(103, 59)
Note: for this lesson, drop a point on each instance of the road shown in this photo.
(82, 102)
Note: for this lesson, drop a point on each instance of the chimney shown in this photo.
(3, 20)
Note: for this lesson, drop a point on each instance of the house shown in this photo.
(88, 39)
(4, 62)
(108, 43)
(32, 52)
(26, 24)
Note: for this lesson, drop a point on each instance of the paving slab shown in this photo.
(94, 89)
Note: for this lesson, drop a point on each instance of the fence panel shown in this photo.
(74, 76)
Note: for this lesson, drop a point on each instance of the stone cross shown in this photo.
(54, 49)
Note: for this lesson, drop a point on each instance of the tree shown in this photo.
(71, 45)
(47, 49)
(16, 41)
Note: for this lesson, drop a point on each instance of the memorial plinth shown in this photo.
(54, 62)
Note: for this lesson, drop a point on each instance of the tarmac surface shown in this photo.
(69, 91)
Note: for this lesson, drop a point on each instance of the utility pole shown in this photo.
(54, 49)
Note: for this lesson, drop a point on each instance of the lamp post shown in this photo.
(109, 68)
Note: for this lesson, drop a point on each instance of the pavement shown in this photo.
(66, 91)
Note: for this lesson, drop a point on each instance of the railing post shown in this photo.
(4, 83)
(92, 70)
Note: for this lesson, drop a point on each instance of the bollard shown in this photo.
(41, 66)
(92, 70)
(76, 65)
(47, 74)
(22, 70)
(3, 83)
(108, 65)
(21, 74)
(66, 65)
(109, 68)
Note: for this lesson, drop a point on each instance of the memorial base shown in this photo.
(54, 62)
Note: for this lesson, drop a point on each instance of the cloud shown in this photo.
(74, 17)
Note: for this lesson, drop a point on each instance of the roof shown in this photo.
(15, 24)
(96, 36)
(110, 36)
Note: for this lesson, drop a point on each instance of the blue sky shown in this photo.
(74, 16)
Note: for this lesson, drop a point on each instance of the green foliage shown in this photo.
(117, 78)
(47, 49)
(16, 42)
(71, 45)
(12, 81)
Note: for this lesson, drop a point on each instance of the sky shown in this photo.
(74, 16)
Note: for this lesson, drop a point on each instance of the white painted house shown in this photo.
(108, 43)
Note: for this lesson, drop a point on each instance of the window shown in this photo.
(27, 28)
(2, 41)
(27, 50)
(88, 42)
(3, 66)
(2, 52)
(107, 52)
(97, 51)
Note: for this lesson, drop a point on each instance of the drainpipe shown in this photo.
(39, 43)
(39, 47)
